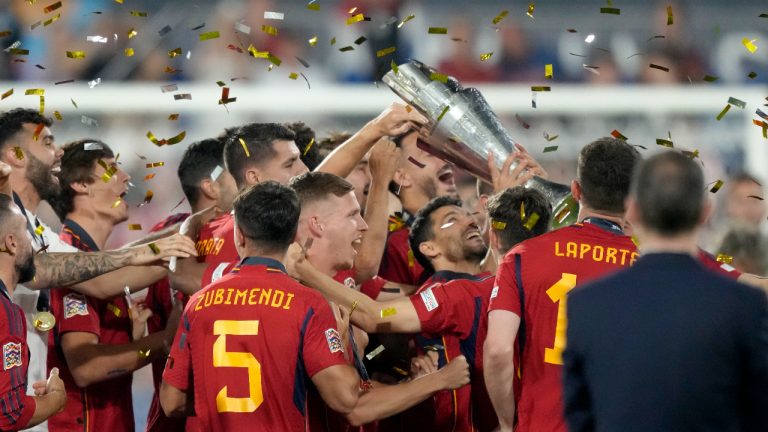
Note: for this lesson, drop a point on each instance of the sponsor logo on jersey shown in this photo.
(334, 340)
(75, 304)
(11, 355)
(495, 291)
(428, 297)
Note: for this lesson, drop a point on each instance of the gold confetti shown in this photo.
(436, 76)
(309, 146)
(442, 114)
(548, 71)
(333, 40)
(736, 102)
(209, 35)
(58, 116)
(498, 225)
(724, 259)
(486, 56)
(76, 54)
(73, 102)
(313, 6)
(670, 17)
(312, 41)
(155, 164)
(749, 45)
(129, 52)
(35, 92)
(132, 33)
(117, 203)
(39, 230)
(18, 51)
(723, 112)
(38, 129)
(616, 134)
(394, 67)
(610, 10)
(147, 197)
(173, 117)
(352, 11)
(710, 78)
(293, 75)
(405, 20)
(549, 149)
(718, 184)
(19, 153)
(549, 137)
(500, 16)
(114, 309)
(174, 52)
(531, 222)
(665, 143)
(5, 33)
(256, 53)
(274, 59)
(42, 105)
(541, 88)
(437, 30)
(371, 355)
(51, 20)
(385, 51)
(170, 141)
(355, 18)
(245, 147)
(388, 312)
(149, 176)
(52, 7)
(6, 94)
(139, 14)
(269, 30)
(154, 248)
(531, 6)
(360, 40)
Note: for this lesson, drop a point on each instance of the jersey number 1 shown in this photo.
(223, 358)
(557, 293)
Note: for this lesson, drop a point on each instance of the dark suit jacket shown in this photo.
(666, 345)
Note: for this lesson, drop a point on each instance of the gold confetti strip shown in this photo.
(149, 176)
(274, 59)
(173, 117)
(187, 96)
(58, 116)
(540, 88)
(549, 149)
(385, 51)
(723, 112)
(19, 153)
(549, 137)
(749, 45)
(147, 198)
(437, 30)
(174, 52)
(393, 65)
(371, 355)
(718, 184)
(355, 18)
(18, 51)
(6, 94)
(132, 33)
(269, 30)
(38, 129)
(139, 14)
(117, 203)
(531, 222)
(155, 250)
(35, 92)
(333, 40)
(51, 20)
(655, 66)
(256, 53)
(360, 40)
(710, 78)
(442, 114)
(522, 211)
(293, 75)
(114, 309)
(312, 41)
(610, 10)
(313, 6)
(352, 11)
(5, 33)
(170, 141)
(209, 35)
(486, 56)
(736, 102)
(724, 259)
(39, 230)
(498, 225)
(220, 83)
(665, 143)
(42, 105)
(309, 146)
(388, 312)
(52, 7)
(73, 102)
(405, 20)
(500, 17)
(670, 17)
(548, 71)
(531, 7)
(245, 147)
(129, 52)
(164, 31)
(76, 54)
(347, 48)
(155, 164)
(436, 76)
(616, 134)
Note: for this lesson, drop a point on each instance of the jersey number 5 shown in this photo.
(557, 293)
(223, 358)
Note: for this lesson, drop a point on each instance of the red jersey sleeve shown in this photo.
(74, 312)
(214, 272)
(443, 310)
(723, 269)
(178, 367)
(16, 406)
(372, 287)
(504, 295)
(323, 346)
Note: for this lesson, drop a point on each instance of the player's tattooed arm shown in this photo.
(62, 269)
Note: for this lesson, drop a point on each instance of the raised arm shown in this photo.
(498, 364)
(393, 121)
(383, 163)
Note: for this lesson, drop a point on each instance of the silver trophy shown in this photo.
(464, 130)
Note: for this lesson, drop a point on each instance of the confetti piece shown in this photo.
(437, 30)
(522, 122)
(170, 141)
(42, 105)
(333, 41)
(92, 146)
(442, 114)
(149, 176)
(134, 227)
(360, 40)
(355, 18)
(549, 137)
(274, 59)
(371, 355)
(549, 149)
(665, 143)
(147, 198)
(38, 129)
(89, 121)
(132, 33)
(306, 80)
(52, 7)
(164, 31)
(19, 153)
(58, 116)
(313, 6)
(269, 30)
(186, 96)
(155, 164)
(94, 83)
(388, 312)
(5, 33)
(616, 134)
(393, 65)
(531, 6)
(73, 102)
(154, 248)
(245, 147)
(225, 99)
(655, 66)
(216, 172)
(64, 82)
(139, 14)
(531, 222)
(498, 225)
(6, 94)
(435, 76)
(309, 146)
(96, 39)
(169, 88)
(670, 16)
(312, 41)
(198, 27)
(174, 52)
(752, 75)
(129, 52)
(723, 112)
(736, 102)
(540, 88)
(352, 11)
(109, 171)
(486, 56)
(18, 51)
(749, 45)
(724, 259)
(415, 162)
(710, 78)
(761, 114)
(405, 20)
(610, 10)
(39, 230)
(293, 75)
(548, 71)
(209, 35)
(76, 54)
(718, 184)
(590, 38)
(500, 17)
(273, 15)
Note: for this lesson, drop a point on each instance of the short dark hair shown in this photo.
(11, 122)
(6, 203)
(258, 139)
(604, 172)
(422, 228)
(669, 190)
(197, 164)
(505, 211)
(77, 165)
(268, 215)
(304, 137)
(316, 186)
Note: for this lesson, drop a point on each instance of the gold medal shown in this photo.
(44, 321)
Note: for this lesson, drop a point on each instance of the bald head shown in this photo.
(17, 256)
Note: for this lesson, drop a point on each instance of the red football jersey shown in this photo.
(253, 339)
(16, 406)
(159, 301)
(372, 287)
(216, 241)
(713, 264)
(532, 282)
(106, 405)
(452, 310)
(398, 264)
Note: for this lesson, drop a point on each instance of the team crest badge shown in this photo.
(334, 340)
(350, 283)
(75, 304)
(11, 355)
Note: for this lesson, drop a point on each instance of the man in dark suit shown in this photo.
(667, 345)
